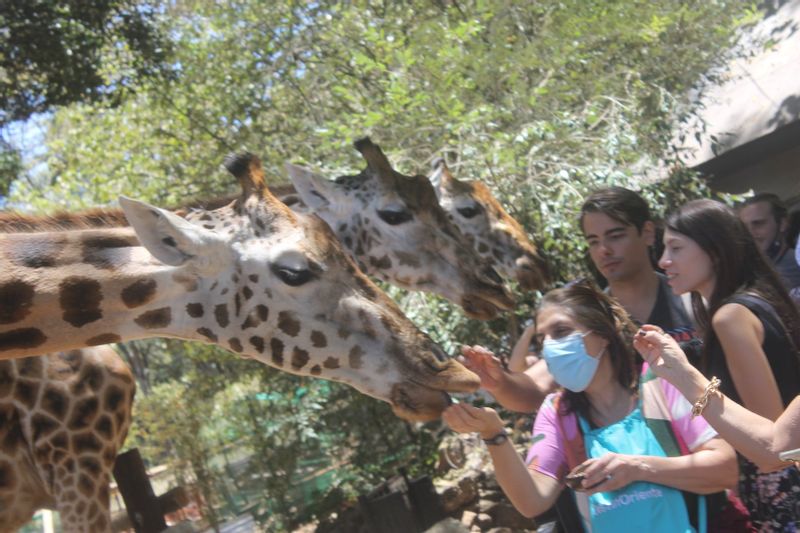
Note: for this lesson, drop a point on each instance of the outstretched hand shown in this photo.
(464, 418)
(485, 364)
(661, 352)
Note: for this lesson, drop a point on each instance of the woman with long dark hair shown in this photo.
(622, 439)
(751, 333)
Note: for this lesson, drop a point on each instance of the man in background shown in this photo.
(767, 219)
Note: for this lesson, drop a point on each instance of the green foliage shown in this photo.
(10, 166)
(55, 53)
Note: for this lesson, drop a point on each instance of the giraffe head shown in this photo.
(494, 234)
(396, 230)
(277, 286)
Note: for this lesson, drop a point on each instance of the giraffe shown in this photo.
(63, 418)
(211, 266)
(253, 277)
(494, 234)
(98, 219)
(397, 232)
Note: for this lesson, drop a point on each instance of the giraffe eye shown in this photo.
(394, 217)
(293, 277)
(469, 211)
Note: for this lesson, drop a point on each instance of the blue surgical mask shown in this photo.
(568, 362)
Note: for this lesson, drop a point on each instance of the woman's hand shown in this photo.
(485, 364)
(464, 418)
(662, 353)
(610, 472)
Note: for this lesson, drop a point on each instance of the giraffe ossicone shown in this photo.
(252, 276)
(493, 233)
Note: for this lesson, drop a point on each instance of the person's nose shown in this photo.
(664, 261)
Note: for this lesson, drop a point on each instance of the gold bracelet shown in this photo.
(702, 401)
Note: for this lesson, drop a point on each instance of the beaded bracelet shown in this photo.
(702, 401)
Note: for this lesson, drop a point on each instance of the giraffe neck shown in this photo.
(65, 290)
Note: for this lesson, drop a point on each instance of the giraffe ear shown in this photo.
(316, 191)
(171, 239)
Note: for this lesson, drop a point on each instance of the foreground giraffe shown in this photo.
(252, 277)
(493, 233)
(397, 232)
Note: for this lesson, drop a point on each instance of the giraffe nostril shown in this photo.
(492, 274)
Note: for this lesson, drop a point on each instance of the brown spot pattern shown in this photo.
(155, 319)
(80, 299)
(6, 379)
(221, 314)
(331, 363)
(195, 310)
(207, 333)
(83, 413)
(42, 426)
(384, 263)
(95, 249)
(258, 343)
(318, 339)
(354, 358)
(16, 300)
(235, 344)
(30, 367)
(21, 338)
(288, 323)
(138, 293)
(299, 358)
(276, 345)
(105, 338)
(36, 252)
(53, 401)
(26, 392)
(408, 259)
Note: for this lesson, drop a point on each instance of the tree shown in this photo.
(56, 52)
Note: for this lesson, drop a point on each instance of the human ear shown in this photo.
(649, 233)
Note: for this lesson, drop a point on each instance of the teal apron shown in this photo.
(639, 506)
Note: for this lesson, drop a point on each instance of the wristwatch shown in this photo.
(498, 439)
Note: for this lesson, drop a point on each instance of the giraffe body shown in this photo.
(63, 419)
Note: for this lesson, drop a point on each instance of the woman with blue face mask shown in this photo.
(624, 441)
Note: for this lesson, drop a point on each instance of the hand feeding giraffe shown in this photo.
(283, 292)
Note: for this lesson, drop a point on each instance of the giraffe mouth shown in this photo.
(532, 272)
(417, 402)
(485, 309)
